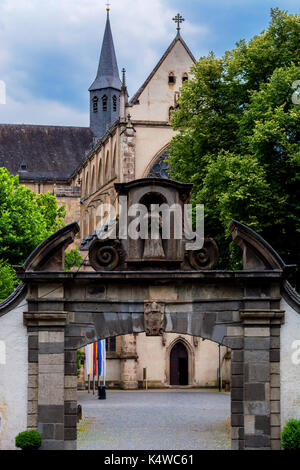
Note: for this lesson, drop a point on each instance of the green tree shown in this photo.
(239, 136)
(72, 258)
(8, 280)
(26, 219)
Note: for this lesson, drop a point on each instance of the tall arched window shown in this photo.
(104, 103)
(114, 100)
(107, 166)
(93, 182)
(114, 164)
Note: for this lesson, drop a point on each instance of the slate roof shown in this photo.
(108, 73)
(44, 152)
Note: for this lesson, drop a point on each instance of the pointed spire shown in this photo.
(108, 73)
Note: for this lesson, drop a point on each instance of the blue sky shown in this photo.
(49, 50)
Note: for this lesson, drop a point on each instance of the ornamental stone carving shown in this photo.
(106, 254)
(154, 318)
(206, 258)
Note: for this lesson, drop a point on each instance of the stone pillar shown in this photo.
(46, 376)
(70, 400)
(235, 341)
(129, 363)
(261, 379)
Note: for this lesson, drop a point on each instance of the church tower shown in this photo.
(105, 90)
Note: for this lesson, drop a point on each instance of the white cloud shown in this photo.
(42, 39)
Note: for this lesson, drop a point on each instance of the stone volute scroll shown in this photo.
(106, 254)
(154, 318)
(206, 258)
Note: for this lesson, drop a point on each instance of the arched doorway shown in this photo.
(179, 365)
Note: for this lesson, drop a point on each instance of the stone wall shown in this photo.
(13, 376)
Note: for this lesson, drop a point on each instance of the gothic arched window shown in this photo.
(160, 167)
(114, 100)
(185, 77)
(104, 103)
(95, 104)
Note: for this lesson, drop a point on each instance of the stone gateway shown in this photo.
(255, 312)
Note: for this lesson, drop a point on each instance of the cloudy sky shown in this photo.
(49, 49)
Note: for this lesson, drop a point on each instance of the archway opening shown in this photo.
(179, 365)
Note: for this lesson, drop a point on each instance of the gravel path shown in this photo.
(155, 420)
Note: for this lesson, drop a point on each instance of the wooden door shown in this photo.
(179, 365)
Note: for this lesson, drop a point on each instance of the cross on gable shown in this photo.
(178, 19)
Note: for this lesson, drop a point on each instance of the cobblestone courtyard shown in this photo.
(155, 420)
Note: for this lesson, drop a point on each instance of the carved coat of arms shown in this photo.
(154, 318)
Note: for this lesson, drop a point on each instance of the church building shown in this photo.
(127, 139)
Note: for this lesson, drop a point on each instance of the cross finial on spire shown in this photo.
(108, 6)
(178, 19)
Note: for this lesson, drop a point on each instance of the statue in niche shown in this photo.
(153, 248)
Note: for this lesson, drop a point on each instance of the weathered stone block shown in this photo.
(33, 341)
(46, 430)
(275, 444)
(257, 331)
(254, 343)
(70, 394)
(275, 406)
(237, 420)
(33, 368)
(237, 381)
(275, 355)
(275, 432)
(70, 407)
(237, 368)
(51, 359)
(237, 407)
(259, 372)
(275, 393)
(32, 394)
(275, 380)
(257, 356)
(51, 389)
(257, 441)
(71, 381)
(51, 414)
(275, 342)
(70, 434)
(262, 423)
(33, 355)
(275, 419)
(255, 391)
(249, 424)
(237, 394)
(256, 408)
(237, 356)
(51, 348)
(32, 420)
(235, 331)
(32, 381)
(71, 368)
(32, 407)
(70, 421)
(275, 367)
(52, 444)
(235, 342)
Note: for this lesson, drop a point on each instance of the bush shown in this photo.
(29, 440)
(290, 436)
